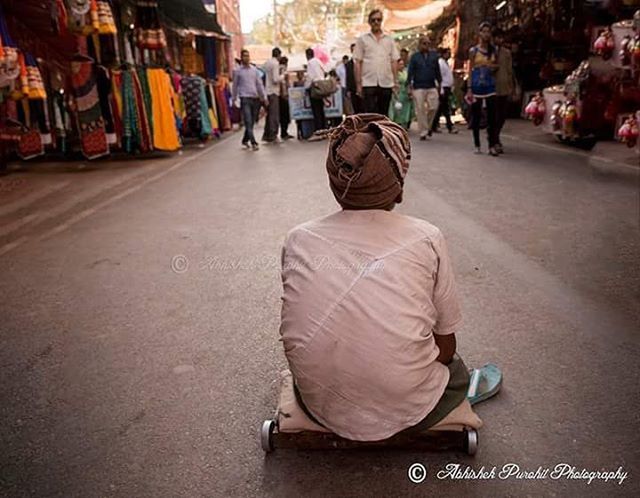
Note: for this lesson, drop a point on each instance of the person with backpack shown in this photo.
(315, 73)
(481, 94)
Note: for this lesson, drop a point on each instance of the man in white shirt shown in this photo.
(315, 72)
(376, 56)
(273, 80)
(444, 109)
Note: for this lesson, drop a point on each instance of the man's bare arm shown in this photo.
(358, 74)
(447, 346)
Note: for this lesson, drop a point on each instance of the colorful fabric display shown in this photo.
(136, 133)
(165, 133)
(90, 121)
(212, 110)
(10, 68)
(83, 16)
(30, 145)
(35, 85)
(106, 23)
(149, 33)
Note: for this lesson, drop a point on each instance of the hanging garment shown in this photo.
(165, 134)
(30, 145)
(89, 116)
(146, 94)
(116, 103)
(83, 17)
(136, 135)
(206, 46)
(104, 93)
(106, 23)
(212, 110)
(149, 33)
(191, 87)
(223, 97)
(10, 68)
(35, 85)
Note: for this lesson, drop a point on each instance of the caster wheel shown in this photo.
(471, 442)
(266, 432)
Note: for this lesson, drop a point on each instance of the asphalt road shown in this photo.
(139, 311)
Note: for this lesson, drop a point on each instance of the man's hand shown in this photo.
(265, 103)
(359, 90)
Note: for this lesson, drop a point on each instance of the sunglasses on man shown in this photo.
(375, 20)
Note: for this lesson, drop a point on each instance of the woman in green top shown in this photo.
(401, 107)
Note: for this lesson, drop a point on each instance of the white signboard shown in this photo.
(300, 106)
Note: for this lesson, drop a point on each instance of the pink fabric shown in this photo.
(364, 292)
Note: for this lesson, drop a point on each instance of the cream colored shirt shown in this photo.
(376, 56)
(364, 294)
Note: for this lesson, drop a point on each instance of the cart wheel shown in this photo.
(471, 441)
(266, 432)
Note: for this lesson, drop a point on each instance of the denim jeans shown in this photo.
(250, 107)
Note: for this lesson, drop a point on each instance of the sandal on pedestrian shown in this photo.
(477, 150)
(499, 148)
(493, 152)
(485, 382)
(453, 131)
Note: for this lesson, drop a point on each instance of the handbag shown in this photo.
(323, 88)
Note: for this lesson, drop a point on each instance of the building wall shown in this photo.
(228, 14)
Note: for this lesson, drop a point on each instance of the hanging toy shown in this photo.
(569, 118)
(604, 44)
(536, 109)
(625, 50)
(628, 132)
(556, 120)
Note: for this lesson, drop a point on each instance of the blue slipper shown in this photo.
(485, 382)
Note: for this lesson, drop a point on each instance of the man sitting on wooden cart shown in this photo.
(370, 308)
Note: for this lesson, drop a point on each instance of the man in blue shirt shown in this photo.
(248, 86)
(424, 84)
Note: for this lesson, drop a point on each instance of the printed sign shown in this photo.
(300, 105)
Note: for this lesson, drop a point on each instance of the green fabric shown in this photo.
(454, 394)
(129, 114)
(146, 95)
(402, 116)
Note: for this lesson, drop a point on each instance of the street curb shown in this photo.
(600, 163)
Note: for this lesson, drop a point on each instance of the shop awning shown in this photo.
(190, 17)
(401, 19)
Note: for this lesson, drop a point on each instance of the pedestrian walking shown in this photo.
(504, 83)
(285, 114)
(424, 84)
(341, 71)
(376, 56)
(315, 72)
(482, 89)
(352, 88)
(401, 109)
(273, 79)
(248, 87)
(444, 108)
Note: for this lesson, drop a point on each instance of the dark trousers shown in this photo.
(317, 107)
(272, 123)
(285, 117)
(356, 102)
(444, 109)
(376, 99)
(476, 118)
(502, 106)
(250, 107)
